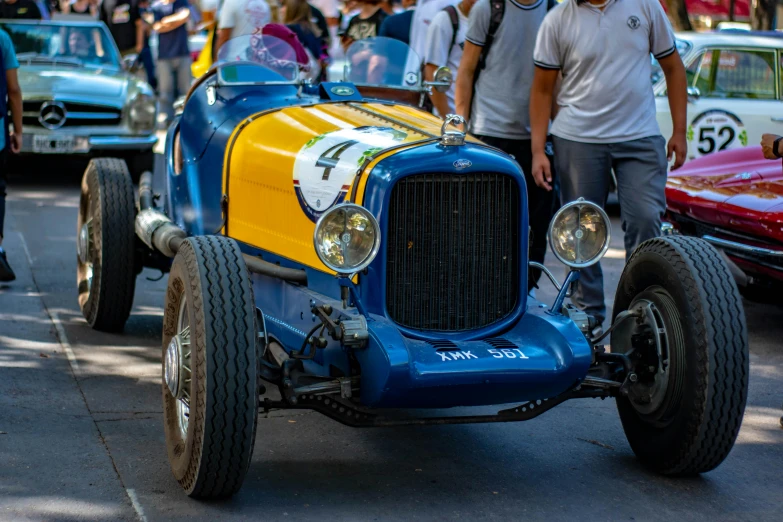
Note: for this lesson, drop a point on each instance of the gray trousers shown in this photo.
(173, 73)
(584, 170)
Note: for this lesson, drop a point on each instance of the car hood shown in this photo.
(737, 189)
(103, 84)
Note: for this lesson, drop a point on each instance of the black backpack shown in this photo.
(498, 9)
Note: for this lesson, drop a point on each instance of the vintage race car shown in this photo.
(359, 257)
(734, 90)
(77, 97)
(734, 200)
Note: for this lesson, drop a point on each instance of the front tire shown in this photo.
(209, 330)
(687, 423)
(106, 273)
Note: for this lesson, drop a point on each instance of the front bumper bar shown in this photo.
(89, 144)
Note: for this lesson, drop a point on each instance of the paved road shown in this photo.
(81, 435)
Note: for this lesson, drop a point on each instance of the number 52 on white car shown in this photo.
(734, 90)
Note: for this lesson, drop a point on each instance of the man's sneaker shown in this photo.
(6, 273)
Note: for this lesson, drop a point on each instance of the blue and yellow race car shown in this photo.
(369, 261)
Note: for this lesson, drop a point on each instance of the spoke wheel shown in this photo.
(105, 245)
(210, 386)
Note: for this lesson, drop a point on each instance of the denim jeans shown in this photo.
(173, 73)
(149, 66)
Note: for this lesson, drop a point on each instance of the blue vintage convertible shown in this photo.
(367, 260)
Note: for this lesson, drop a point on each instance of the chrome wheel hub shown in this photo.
(172, 365)
(177, 368)
(83, 250)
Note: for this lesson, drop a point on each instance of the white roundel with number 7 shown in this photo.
(715, 130)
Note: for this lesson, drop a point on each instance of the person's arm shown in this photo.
(139, 35)
(541, 102)
(223, 35)
(225, 27)
(463, 97)
(439, 99)
(768, 143)
(15, 105)
(173, 21)
(664, 48)
(677, 91)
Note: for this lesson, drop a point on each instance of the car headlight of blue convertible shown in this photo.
(143, 112)
(347, 238)
(579, 233)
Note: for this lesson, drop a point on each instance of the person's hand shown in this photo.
(139, 47)
(767, 143)
(16, 142)
(542, 171)
(677, 149)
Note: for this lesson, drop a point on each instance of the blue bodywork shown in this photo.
(530, 354)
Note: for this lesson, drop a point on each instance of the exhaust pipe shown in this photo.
(155, 228)
(159, 233)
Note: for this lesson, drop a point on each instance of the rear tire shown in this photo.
(210, 312)
(701, 411)
(106, 274)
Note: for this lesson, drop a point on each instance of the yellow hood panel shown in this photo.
(283, 168)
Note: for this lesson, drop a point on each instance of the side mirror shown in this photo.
(441, 80)
(693, 93)
(444, 77)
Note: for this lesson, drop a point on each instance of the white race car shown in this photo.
(734, 89)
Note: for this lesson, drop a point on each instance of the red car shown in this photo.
(734, 200)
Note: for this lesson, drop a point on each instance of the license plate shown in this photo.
(51, 145)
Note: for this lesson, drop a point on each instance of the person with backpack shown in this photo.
(445, 40)
(493, 94)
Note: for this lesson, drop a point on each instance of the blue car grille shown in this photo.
(452, 261)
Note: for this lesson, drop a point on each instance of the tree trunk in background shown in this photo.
(732, 6)
(678, 15)
(762, 14)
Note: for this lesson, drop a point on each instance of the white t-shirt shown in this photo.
(439, 37)
(328, 8)
(244, 16)
(422, 17)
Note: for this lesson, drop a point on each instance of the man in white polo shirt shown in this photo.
(606, 117)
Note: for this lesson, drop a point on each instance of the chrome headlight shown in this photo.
(143, 112)
(347, 238)
(579, 233)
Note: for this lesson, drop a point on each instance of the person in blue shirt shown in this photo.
(399, 26)
(10, 100)
(171, 17)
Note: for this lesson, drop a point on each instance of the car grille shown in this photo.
(78, 114)
(452, 251)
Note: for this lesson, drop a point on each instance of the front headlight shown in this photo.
(347, 238)
(579, 233)
(143, 112)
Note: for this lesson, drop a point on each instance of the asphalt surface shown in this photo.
(81, 435)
